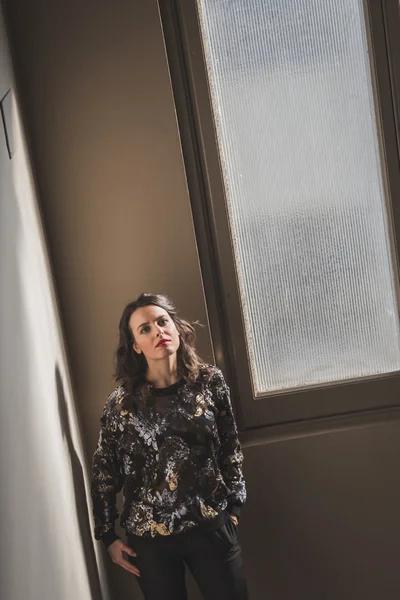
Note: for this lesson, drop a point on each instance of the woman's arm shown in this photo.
(106, 478)
(230, 456)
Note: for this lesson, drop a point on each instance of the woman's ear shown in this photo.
(136, 348)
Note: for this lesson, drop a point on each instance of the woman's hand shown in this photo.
(234, 520)
(117, 550)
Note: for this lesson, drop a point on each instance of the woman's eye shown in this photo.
(145, 329)
(162, 322)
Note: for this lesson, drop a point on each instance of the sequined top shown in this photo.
(175, 453)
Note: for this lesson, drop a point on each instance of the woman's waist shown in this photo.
(159, 530)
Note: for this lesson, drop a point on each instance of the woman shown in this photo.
(169, 439)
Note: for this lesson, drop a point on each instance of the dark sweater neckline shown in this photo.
(171, 389)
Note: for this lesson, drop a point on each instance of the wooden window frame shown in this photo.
(207, 194)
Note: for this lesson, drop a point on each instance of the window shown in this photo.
(295, 168)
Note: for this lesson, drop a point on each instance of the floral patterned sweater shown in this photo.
(177, 456)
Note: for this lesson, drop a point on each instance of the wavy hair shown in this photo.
(131, 368)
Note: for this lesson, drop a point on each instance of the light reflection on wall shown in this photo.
(46, 546)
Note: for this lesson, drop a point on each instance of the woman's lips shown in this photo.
(162, 343)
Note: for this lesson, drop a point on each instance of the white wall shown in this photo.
(46, 550)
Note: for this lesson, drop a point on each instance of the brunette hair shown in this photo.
(130, 367)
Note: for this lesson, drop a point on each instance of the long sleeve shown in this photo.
(106, 479)
(230, 455)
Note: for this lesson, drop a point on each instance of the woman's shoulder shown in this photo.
(210, 374)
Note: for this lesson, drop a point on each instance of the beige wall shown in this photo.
(46, 550)
(98, 103)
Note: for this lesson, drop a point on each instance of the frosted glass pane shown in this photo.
(293, 106)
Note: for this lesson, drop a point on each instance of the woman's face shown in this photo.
(154, 332)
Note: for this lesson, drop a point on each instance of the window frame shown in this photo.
(194, 110)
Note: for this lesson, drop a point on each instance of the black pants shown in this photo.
(213, 557)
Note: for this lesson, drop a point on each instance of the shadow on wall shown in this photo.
(81, 505)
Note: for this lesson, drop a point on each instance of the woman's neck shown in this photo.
(163, 373)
